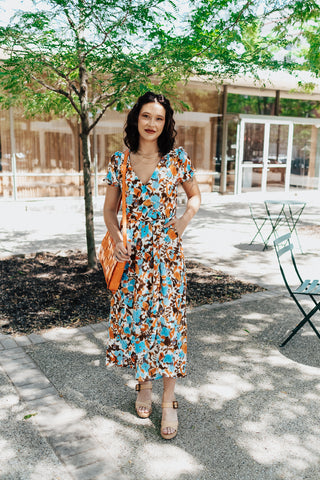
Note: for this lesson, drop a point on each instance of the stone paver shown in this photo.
(62, 426)
(23, 341)
(100, 327)
(67, 449)
(59, 424)
(24, 454)
(85, 329)
(8, 343)
(35, 338)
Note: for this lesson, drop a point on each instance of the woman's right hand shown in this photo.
(121, 253)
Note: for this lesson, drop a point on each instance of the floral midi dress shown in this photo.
(147, 327)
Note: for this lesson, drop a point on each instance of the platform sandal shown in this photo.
(139, 404)
(166, 424)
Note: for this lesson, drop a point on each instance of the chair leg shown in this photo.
(302, 323)
(266, 241)
(259, 228)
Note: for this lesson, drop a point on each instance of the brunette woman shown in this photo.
(147, 327)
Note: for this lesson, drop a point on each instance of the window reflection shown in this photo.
(253, 143)
(305, 157)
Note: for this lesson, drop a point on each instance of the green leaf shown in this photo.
(26, 417)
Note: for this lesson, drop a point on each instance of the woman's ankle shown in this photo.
(168, 397)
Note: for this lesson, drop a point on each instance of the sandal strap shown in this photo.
(169, 424)
(173, 405)
(143, 386)
(143, 404)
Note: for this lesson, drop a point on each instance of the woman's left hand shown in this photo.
(179, 225)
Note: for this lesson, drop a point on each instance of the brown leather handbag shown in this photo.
(112, 269)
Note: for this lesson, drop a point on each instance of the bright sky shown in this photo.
(7, 9)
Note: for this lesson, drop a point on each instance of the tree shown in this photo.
(83, 57)
(86, 56)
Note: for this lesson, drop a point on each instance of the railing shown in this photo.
(12, 187)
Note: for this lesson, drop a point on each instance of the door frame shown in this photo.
(264, 119)
(266, 139)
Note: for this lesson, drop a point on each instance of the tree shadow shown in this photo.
(246, 409)
(252, 247)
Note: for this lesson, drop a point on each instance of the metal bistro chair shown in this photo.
(265, 223)
(309, 288)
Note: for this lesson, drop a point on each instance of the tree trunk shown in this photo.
(91, 248)
(85, 130)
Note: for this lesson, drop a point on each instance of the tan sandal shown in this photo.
(169, 436)
(139, 404)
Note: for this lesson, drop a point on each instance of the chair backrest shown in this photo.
(283, 245)
(284, 248)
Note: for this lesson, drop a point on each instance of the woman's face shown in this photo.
(151, 121)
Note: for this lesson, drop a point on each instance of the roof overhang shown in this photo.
(297, 85)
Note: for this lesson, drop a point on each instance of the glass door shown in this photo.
(265, 155)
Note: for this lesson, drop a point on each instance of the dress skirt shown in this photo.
(147, 327)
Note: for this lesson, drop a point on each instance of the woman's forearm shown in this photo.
(112, 224)
(193, 206)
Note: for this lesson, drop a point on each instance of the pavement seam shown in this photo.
(249, 297)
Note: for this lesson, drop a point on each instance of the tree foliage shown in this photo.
(296, 32)
(105, 42)
(128, 46)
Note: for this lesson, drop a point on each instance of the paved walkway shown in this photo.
(248, 410)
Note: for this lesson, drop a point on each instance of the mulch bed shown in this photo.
(48, 290)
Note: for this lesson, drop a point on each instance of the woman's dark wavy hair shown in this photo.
(167, 137)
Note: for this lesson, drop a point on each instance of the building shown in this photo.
(242, 134)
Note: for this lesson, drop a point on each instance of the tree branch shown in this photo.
(25, 49)
(106, 33)
(72, 24)
(59, 91)
(64, 76)
(100, 98)
(105, 108)
(245, 7)
(228, 27)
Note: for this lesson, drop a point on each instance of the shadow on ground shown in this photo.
(247, 410)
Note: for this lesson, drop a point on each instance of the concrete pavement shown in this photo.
(248, 410)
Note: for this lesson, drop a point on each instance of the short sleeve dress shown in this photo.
(147, 327)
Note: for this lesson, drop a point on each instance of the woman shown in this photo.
(147, 328)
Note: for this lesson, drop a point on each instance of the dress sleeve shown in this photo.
(113, 171)
(186, 170)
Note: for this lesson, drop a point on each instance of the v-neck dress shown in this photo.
(147, 327)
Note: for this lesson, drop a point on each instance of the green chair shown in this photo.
(306, 288)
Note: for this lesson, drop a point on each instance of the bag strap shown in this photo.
(123, 191)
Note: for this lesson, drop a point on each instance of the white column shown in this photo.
(265, 156)
(239, 160)
(289, 158)
(13, 153)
